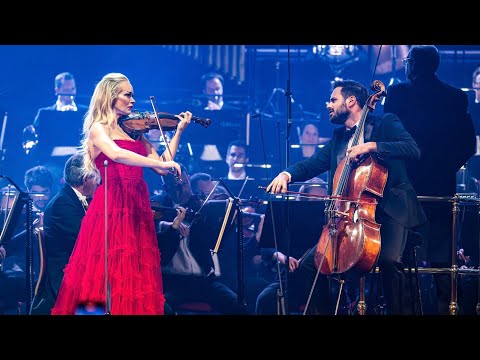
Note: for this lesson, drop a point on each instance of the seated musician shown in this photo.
(202, 184)
(62, 219)
(397, 211)
(308, 139)
(268, 300)
(236, 157)
(187, 266)
(38, 182)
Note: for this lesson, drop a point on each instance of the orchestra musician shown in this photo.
(62, 219)
(39, 184)
(65, 90)
(187, 265)
(398, 210)
(308, 139)
(236, 155)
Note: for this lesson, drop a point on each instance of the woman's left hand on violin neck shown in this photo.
(185, 119)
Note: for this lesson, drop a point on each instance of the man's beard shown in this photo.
(341, 116)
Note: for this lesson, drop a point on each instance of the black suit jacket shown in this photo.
(36, 121)
(436, 116)
(394, 145)
(61, 223)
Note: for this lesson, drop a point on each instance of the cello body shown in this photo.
(351, 237)
(351, 240)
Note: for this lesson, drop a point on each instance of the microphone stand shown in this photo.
(107, 285)
(2, 138)
(282, 296)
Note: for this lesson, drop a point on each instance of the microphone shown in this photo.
(257, 115)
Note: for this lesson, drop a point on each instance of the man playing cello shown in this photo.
(398, 210)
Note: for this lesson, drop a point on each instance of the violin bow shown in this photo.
(167, 147)
(322, 197)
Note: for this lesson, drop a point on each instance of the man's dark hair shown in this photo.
(196, 178)
(210, 76)
(60, 78)
(238, 143)
(352, 87)
(38, 175)
(426, 59)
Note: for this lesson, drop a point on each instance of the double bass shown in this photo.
(350, 238)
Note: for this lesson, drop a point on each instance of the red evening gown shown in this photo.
(134, 273)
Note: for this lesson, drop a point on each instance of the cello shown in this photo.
(350, 238)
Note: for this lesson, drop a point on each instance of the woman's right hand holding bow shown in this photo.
(166, 167)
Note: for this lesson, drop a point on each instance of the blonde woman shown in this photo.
(133, 259)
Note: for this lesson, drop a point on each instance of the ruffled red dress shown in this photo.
(134, 273)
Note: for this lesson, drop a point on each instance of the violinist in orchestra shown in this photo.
(187, 265)
(61, 224)
(39, 185)
(385, 139)
(202, 184)
(120, 217)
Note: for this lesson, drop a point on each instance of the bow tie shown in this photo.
(349, 133)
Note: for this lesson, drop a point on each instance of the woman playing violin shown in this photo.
(132, 284)
(398, 210)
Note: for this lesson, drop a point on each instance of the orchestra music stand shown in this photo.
(207, 225)
(237, 214)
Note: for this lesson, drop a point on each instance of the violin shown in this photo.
(160, 211)
(249, 218)
(138, 123)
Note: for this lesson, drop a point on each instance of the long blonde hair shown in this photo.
(100, 110)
